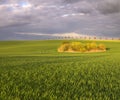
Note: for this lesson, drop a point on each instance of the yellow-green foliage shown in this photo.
(76, 46)
(64, 47)
(101, 47)
(80, 47)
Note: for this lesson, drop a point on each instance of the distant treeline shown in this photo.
(85, 38)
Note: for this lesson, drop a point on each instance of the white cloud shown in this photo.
(73, 34)
(73, 14)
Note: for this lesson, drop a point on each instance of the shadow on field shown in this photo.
(107, 49)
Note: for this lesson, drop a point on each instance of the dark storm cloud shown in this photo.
(109, 6)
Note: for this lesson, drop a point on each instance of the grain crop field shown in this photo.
(34, 70)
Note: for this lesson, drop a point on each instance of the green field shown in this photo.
(34, 70)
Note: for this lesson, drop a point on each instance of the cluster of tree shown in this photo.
(81, 47)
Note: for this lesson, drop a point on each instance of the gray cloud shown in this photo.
(71, 1)
(109, 6)
(92, 17)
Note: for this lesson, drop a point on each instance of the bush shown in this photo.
(80, 47)
(63, 47)
(87, 46)
(76, 46)
(93, 45)
(101, 47)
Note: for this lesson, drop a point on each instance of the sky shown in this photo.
(36, 19)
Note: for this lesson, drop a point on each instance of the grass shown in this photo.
(34, 70)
